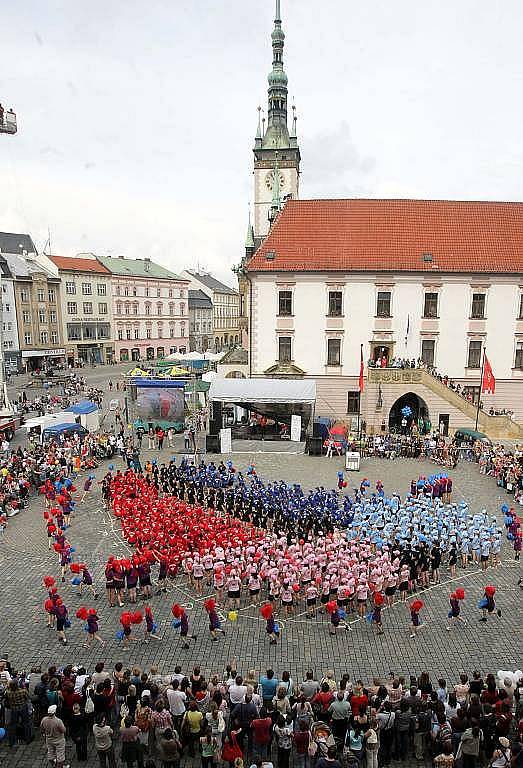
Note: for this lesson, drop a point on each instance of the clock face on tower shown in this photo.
(269, 180)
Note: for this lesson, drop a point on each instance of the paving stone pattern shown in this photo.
(25, 558)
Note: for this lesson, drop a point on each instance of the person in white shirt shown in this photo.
(237, 691)
(5, 677)
(177, 700)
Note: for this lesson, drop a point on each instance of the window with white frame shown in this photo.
(72, 308)
(284, 303)
(87, 289)
(383, 303)
(54, 337)
(430, 305)
(334, 352)
(474, 354)
(28, 338)
(284, 349)
(88, 307)
(335, 304)
(101, 289)
(428, 348)
(477, 311)
(44, 337)
(70, 287)
(518, 361)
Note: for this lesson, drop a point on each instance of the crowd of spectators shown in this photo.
(466, 392)
(239, 718)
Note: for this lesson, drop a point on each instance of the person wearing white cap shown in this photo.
(54, 731)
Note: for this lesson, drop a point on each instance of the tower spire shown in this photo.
(249, 240)
(277, 131)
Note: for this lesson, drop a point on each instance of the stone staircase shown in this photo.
(393, 382)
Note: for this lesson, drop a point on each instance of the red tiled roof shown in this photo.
(77, 264)
(393, 236)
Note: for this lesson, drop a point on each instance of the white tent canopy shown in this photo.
(277, 391)
(210, 356)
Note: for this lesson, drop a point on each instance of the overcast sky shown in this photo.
(137, 118)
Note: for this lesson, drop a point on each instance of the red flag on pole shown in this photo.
(361, 368)
(489, 382)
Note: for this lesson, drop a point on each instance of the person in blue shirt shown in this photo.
(269, 685)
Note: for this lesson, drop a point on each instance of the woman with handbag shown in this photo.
(231, 749)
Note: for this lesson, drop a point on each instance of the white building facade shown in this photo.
(337, 277)
(12, 356)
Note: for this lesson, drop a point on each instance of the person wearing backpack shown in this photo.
(143, 717)
(421, 730)
(353, 744)
(371, 745)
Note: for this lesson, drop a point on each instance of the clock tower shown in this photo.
(276, 151)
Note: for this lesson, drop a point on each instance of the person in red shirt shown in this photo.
(359, 699)
(261, 730)
(302, 739)
(321, 701)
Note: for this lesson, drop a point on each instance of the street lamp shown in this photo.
(7, 125)
(7, 121)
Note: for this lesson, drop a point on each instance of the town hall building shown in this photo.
(325, 282)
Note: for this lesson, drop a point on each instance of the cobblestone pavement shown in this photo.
(25, 558)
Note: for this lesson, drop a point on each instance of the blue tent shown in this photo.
(83, 407)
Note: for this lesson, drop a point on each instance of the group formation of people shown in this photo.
(236, 718)
(211, 528)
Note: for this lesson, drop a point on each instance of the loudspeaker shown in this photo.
(315, 446)
(316, 429)
(212, 444)
(216, 412)
(214, 427)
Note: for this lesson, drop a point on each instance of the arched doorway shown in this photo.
(412, 409)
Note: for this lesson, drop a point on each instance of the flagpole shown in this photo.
(480, 388)
(360, 387)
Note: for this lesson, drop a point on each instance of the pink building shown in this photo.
(150, 309)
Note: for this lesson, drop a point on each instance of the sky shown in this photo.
(137, 118)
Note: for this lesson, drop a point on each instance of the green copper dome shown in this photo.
(278, 77)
